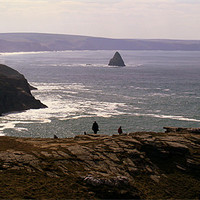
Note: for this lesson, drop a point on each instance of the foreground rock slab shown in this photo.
(129, 166)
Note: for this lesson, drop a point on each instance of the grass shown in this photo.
(23, 185)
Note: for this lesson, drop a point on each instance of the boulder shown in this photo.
(15, 94)
(116, 60)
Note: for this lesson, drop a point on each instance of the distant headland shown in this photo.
(27, 42)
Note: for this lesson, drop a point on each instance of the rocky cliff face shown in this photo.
(129, 166)
(15, 94)
(116, 60)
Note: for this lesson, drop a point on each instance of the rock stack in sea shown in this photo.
(15, 94)
(117, 60)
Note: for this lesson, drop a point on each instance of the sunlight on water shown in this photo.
(180, 118)
(61, 105)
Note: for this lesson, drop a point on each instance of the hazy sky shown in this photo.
(173, 19)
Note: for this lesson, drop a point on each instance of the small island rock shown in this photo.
(116, 60)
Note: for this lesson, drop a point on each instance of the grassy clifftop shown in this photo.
(129, 166)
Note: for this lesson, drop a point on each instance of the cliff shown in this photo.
(137, 165)
(15, 94)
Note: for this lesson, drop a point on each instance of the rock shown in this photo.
(7, 71)
(114, 181)
(15, 92)
(116, 60)
(177, 148)
(193, 164)
(107, 167)
(180, 129)
(180, 168)
(32, 87)
(112, 187)
(155, 178)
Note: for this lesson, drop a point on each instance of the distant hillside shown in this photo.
(16, 42)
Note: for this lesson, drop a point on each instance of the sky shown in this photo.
(145, 19)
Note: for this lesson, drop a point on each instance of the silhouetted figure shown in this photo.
(95, 127)
(85, 133)
(55, 137)
(120, 130)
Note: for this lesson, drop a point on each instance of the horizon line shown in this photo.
(103, 37)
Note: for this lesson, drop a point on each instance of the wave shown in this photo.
(94, 65)
(23, 53)
(108, 66)
(73, 88)
(33, 52)
(159, 94)
(12, 125)
(179, 118)
(63, 104)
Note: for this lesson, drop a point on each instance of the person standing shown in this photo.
(95, 127)
(120, 130)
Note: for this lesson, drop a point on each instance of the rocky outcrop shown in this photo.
(180, 129)
(15, 94)
(127, 166)
(116, 60)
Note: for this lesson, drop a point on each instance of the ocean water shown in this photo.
(155, 89)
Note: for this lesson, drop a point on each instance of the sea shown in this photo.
(155, 89)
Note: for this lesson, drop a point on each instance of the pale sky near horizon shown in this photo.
(149, 19)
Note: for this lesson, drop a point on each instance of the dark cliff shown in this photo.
(15, 94)
(141, 165)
